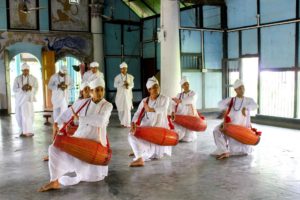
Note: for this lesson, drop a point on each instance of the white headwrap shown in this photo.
(237, 83)
(183, 80)
(63, 69)
(151, 81)
(97, 82)
(25, 66)
(123, 64)
(83, 85)
(94, 64)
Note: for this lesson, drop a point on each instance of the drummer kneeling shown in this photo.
(239, 114)
(152, 111)
(93, 120)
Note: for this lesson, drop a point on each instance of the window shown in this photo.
(277, 10)
(277, 93)
(213, 89)
(211, 17)
(278, 46)
(213, 50)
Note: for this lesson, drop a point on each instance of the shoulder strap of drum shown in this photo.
(71, 119)
(176, 107)
(142, 114)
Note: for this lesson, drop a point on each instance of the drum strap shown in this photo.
(142, 114)
(63, 129)
(226, 117)
(180, 97)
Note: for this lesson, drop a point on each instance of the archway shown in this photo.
(72, 64)
(35, 70)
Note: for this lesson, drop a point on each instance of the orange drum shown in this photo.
(193, 123)
(242, 134)
(157, 135)
(86, 150)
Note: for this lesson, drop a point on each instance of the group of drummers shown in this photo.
(90, 115)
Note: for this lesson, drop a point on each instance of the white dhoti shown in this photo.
(125, 117)
(229, 145)
(185, 134)
(146, 150)
(61, 163)
(57, 111)
(25, 117)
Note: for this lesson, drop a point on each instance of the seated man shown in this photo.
(155, 114)
(93, 120)
(185, 105)
(240, 115)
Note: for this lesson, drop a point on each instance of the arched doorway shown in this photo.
(35, 70)
(71, 63)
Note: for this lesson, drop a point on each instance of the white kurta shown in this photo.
(124, 97)
(142, 148)
(24, 102)
(90, 76)
(186, 107)
(227, 144)
(93, 121)
(59, 97)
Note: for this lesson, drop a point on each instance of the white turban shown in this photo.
(94, 64)
(123, 64)
(237, 84)
(25, 66)
(63, 69)
(83, 85)
(151, 81)
(97, 82)
(183, 80)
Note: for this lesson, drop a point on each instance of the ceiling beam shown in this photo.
(207, 2)
(148, 6)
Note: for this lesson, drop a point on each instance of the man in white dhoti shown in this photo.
(124, 84)
(185, 104)
(25, 87)
(155, 114)
(93, 73)
(93, 119)
(240, 115)
(59, 84)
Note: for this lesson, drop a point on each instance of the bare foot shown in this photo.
(138, 163)
(223, 156)
(131, 154)
(54, 185)
(46, 158)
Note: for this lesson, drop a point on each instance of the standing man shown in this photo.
(25, 87)
(124, 84)
(59, 84)
(239, 114)
(93, 73)
(185, 104)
